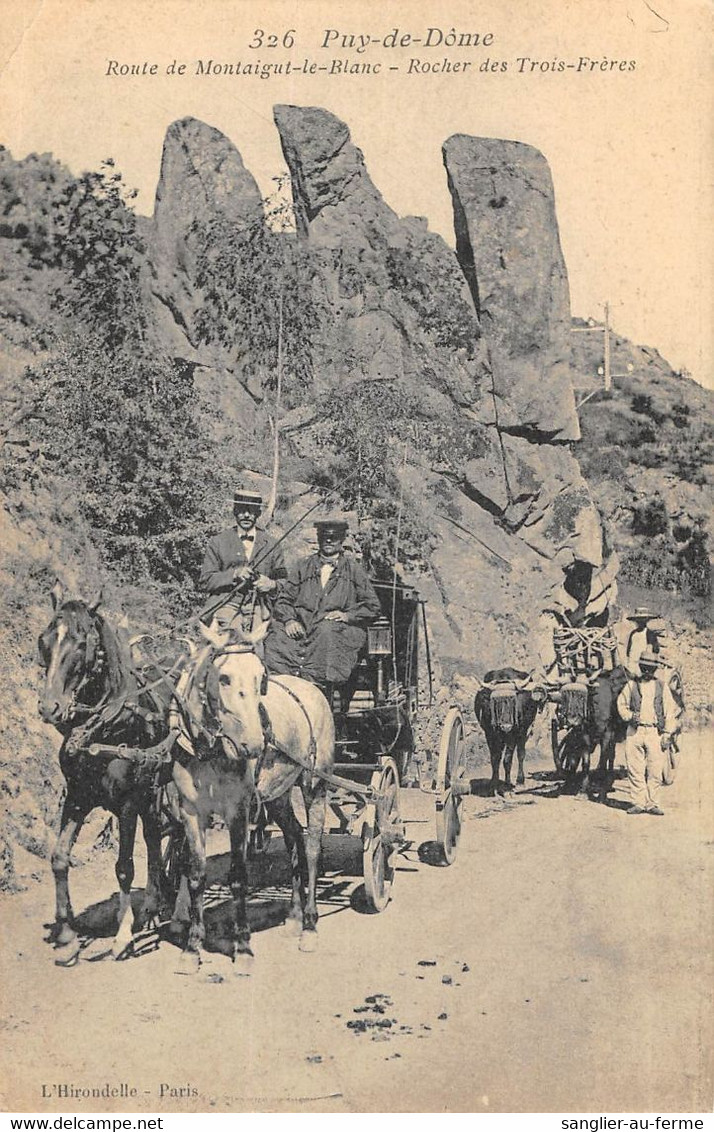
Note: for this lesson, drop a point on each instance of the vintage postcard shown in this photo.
(356, 557)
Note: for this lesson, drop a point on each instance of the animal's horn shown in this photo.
(258, 634)
(94, 605)
(57, 595)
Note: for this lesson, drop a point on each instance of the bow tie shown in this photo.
(247, 538)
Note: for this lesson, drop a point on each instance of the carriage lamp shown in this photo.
(379, 638)
(379, 644)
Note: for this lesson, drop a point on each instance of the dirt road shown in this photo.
(563, 963)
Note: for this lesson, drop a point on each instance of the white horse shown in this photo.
(269, 733)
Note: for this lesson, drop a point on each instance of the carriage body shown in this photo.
(385, 693)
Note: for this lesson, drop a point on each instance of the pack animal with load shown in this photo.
(506, 707)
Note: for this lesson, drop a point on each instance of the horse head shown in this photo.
(242, 682)
(71, 653)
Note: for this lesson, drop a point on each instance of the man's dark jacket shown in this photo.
(225, 553)
(330, 649)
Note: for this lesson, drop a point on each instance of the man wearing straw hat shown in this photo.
(242, 558)
(647, 707)
(645, 637)
(320, 616)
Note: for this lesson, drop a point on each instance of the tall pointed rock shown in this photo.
(509, 249)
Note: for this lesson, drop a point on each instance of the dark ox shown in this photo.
(506, 710)
(588, 712)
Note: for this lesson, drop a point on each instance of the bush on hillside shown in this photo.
(650, 518)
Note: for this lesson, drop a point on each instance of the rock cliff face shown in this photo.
(202, 181)
(508, 246)
(468, 351)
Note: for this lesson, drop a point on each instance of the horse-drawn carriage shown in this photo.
(119, 731)
(376, 739)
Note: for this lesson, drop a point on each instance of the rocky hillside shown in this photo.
(430, 392)
(646, 452)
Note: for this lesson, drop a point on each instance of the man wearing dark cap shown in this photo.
(648, 708)
(242, 556)
(320, 615)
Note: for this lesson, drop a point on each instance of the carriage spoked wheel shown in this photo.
(173, 845)
(259, 836)
(568, 749)
(382, 833)
(556, 744)
(449, 798)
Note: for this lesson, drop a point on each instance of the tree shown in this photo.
(106, 411)
(98, 245)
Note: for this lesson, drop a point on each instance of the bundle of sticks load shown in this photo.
(581, 652)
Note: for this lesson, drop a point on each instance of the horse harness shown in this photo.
(205, 682)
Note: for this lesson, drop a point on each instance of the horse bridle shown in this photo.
(93, 667)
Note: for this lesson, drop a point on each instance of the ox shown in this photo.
(506, 709)
(588, 710)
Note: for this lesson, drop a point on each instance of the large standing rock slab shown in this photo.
(509, 248)
(202, 181)
(394, 301)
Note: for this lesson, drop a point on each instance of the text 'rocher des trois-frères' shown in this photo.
(352, 66)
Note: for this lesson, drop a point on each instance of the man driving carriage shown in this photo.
(321, 613)
(240, 562)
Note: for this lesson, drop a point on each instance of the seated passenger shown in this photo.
(319, 617)
(227, 575)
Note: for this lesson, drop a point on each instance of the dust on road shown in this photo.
(563, 963)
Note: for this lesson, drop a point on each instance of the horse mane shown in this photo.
(121, 672)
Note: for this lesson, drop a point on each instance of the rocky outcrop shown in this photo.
(395, 303)
(479, 342)
(202, 182)
(508, 245)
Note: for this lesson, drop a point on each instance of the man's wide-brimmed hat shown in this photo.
(649, 660)
(332, 523)
(247, 498)
(643, 614)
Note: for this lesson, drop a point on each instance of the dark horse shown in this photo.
(589, 712)
(93, 696)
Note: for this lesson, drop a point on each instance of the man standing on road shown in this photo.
(228, 558)
(643, 638)
(322, 610)
(648, 708)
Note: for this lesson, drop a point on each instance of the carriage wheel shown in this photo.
(449, 801)
(380, 834)
(556, 746)
(172, 854)
(259, 836)
(173, 841)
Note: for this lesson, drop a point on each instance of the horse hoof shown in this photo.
(243, 962)
(292, 927)
(121, 948)
(189, 963)
(68, 953)
(308, 942)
